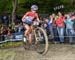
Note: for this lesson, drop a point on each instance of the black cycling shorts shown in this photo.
(29, 23)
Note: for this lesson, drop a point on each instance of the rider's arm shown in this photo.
(37, 18)
(23, 18)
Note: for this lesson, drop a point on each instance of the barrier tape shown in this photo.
(10, 40)
(13, 40)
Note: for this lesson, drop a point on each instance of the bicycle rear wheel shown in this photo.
(41, 41)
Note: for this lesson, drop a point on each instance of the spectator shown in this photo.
(60, 27)
(4, 30)
(5, 20)
(69, 28)
(2, 33)
(48, 27)
(9, 33)
(19, 28)
(55, 32)
(50, 21)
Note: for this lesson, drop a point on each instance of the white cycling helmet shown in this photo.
(34, 7)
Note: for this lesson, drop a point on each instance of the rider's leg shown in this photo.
(26, 32)
(30, 38)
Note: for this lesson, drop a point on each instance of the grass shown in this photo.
(11, 44)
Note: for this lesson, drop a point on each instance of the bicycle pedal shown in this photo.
(24, 39)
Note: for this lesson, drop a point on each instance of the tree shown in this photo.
(14, 4)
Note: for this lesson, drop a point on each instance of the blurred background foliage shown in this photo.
(45, 6)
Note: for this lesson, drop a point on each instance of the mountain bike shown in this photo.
(39, 40)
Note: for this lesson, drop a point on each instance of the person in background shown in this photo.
(69, 27)
(19, 28)
(5, 20)
(3, 32)
(50, 21)
(60, 26)
(9, 31)
(55, 32)
(48, 25)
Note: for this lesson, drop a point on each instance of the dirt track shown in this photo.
(56, 52)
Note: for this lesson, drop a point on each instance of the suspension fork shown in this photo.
(34, 32)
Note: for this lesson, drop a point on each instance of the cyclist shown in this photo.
(28, 21)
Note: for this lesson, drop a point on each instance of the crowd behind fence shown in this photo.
(57, 25)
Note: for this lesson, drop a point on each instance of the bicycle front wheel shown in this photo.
(41, 41)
